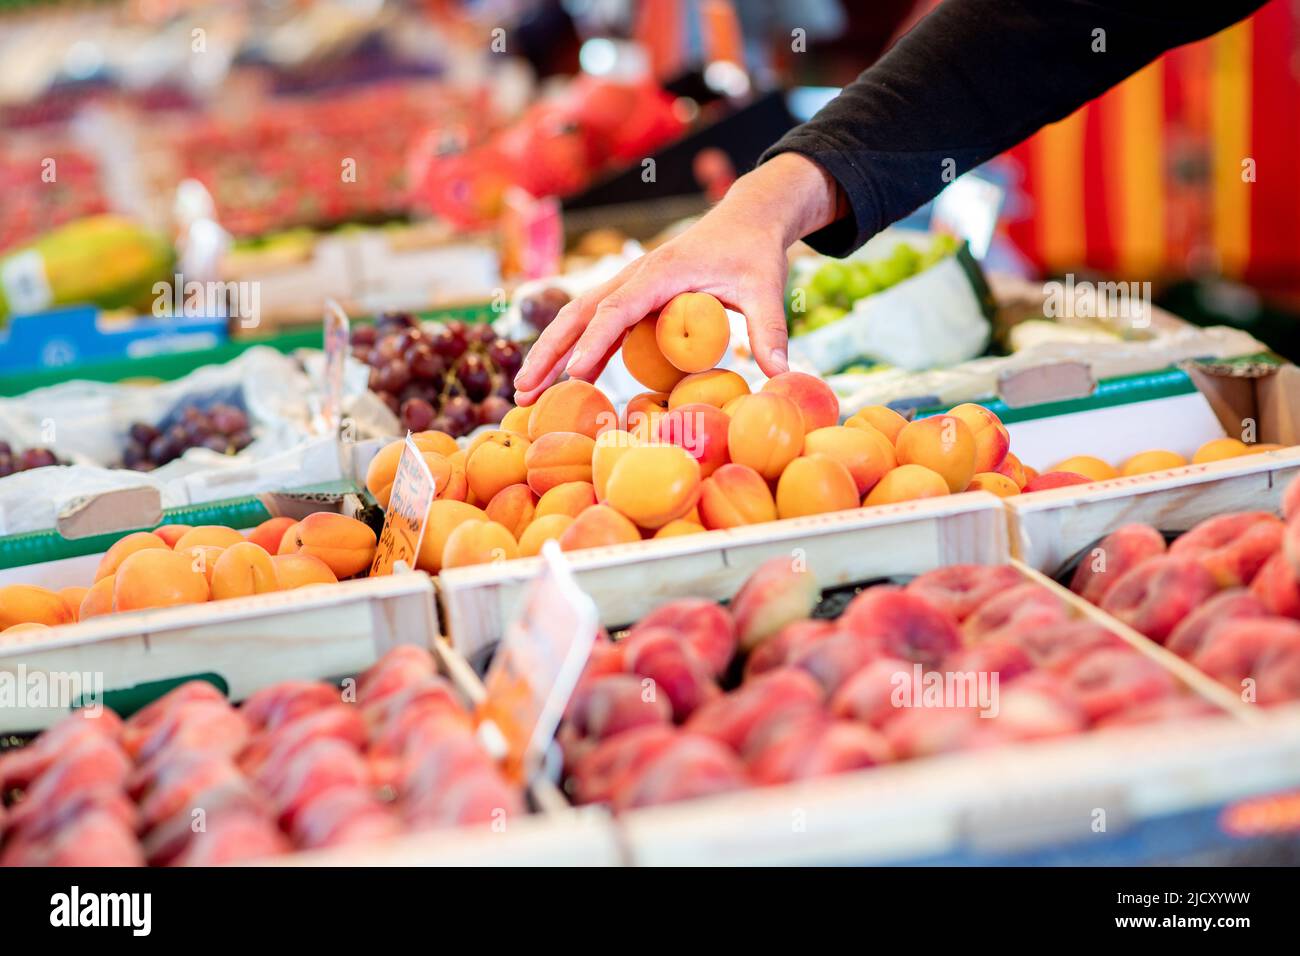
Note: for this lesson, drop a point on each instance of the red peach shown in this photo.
(1016, 611)
(1233, 547)
(678, 672)
(816, 399)
(1114, 555)
(776, 593)
(1158, 593)
(1194, 630)
(901, 624)
(688, 768)
(992, 440)
(1277, 587)
(732, 718)
(961, 589)
(817, 748)
(703, 624)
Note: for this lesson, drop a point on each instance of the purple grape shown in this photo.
(447, 344)
(392, 376)
(135, 453)
(460, 414)
(227, 419)
(507, 355)
(6, 465)
(389, 399)
(505, 388)
(540, 308)
(217, 443)
(425, 363)
(364, 335)
(6, 450)
(453, 389)
(362, 353)
(475, 376)
(416, 414)
(387, 349)
(142, 433)
(36, 458)
(163, 449)
(480, 334)
(395, 320)
(492, 409)
(241, 440)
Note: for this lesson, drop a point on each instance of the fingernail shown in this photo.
(779, 358)
(577, 356)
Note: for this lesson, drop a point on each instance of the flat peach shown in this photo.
(880, 417)
(609, 448)
(992, 440)
(735, 495)
(98, 600)
(444, 517)
(153, 578)
(643, 414)
(243, 569)
(571, 406)
(701, 430)
(299, 570)
(1148, 461)
(995, 483)
(496, 462)
(513, 507)
(906, 483)
(645, 362)
(654, 484)
(816, 400)
(569, 499)
(865, 455)
(218, 536)
(1218, 449)
(766, 433)
(478, 542)
(558, 458)
(171, 533)
(597, 527)
(544, 528)
(1088, 466)
(28, 604)
(343, 543)
(715, 387)
(944, 444)
(692, 331)
(127, 545)
(679, 528)
(815, 484)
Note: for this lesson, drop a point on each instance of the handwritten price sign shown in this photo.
(413, 491)
(337, 344)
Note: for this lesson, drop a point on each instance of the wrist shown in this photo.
(790, 196)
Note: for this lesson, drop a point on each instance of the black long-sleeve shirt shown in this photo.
(972, 79)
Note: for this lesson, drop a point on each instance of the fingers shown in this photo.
(765, 319)
(526, 397)
(546, 359)
(619, 310)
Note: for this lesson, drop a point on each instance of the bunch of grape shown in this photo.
(33, 457)
(452, 378)
(222, 428)
(540, 308)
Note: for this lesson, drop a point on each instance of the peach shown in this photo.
(1110, 680)
(1218, 449)
(1054, 479)
(880, 417)
(558, 458)
(643, 413)
(72, 597)
(766, 433)
(1233, 547)
(992, 440)
(218, 536)
(1291, 499)
(735, 719)
(514, 507)
(870, 695)
(705, 625)
(906, 483)
(815, 484)
(299, 570)
(654, 484)
(1088, 466)
(270, 533)
(688, 768)
(1277, 587)
(816, 400)
(1158, 593)
(383, 467)
(644, 360)
(597, 527)
(781, 648)
(243, 569)
(571, 406)
(478, 542)
(346, 545)
(1146, 462)
(152, 578)
(678, 528)
(865, 456)
(1187, 639)
(443, 518)
(495, 461)
(171, 533)
(994, 483)
(701, 430)
(125, 546)
(616, 759)
(1267, 650)
(1113, 557)
(776, 594)
(735, 495)
(545, 528)
(692, 331)
(816, 747)
(901, 623)
(962, 589)
(835, 658)
(614, 703)
(715, 387)
(1013, 469)
(569, 499)
(944, 444)
(1057, 647)
(516, 420)
(1015, 612)
(28, 604)
(98, 600)
(678, 671)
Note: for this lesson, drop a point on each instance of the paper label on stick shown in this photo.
(338, 345)
(408, 507)
(537, 666)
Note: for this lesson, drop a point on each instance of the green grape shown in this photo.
(860, 283)
(905, 258)
(829, 279)
(824, 315)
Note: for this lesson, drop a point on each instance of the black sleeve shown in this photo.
(972, 79)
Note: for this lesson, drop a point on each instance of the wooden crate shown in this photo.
(1050, 527)
(627, 581)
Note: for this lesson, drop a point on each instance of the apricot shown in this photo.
(644, 360)
(609, 448)
(880, 417)
(544, 528)
(735, 495)
(816, 400)
(598, 527)
(346, 545)
(98, 600)
(643, 414)
(653, 484)
(72, 597)
(715, 387)
(270, 533)
(992, 440)
(1148, 461)
(1030, 474)
(692, 331)
(571, 406)
(289, 543)
(29, 626)
(678, 528)
(766, 433)
(29, 604)
(443, 518)
(1054, 479)
(495, 461)
(906, 483)
(218, 536)
(1218, 449)
(1088, 466)
(864, 454)
(513, 507)
(478, 542)
(516, 420)
(152, 578)
(383, 467)
(944, 444)
(569, 499)
(457, 488)
(125, 546)
(1013, 469)
(815, 484)
(995, 483)
(203, 558)
(299, 570)
(171, 533)
(701, 430)
(243, 569)
(557, 458)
